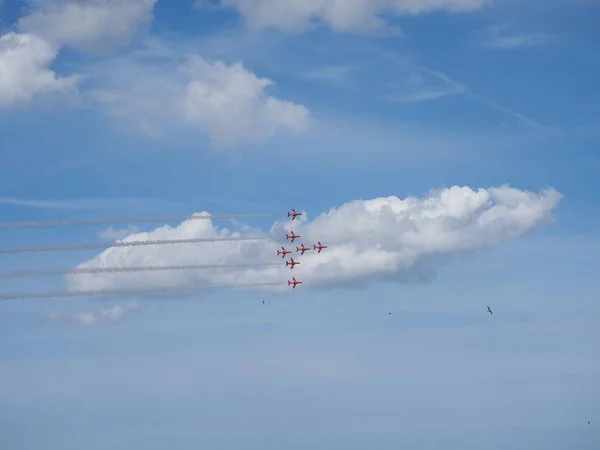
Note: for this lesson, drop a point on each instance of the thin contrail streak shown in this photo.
(92, 270)
(108, 292)
(53, 248)
(115, 220)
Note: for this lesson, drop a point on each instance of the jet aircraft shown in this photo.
(294, 283)
(292, 236)
(283, 252)
(293, 214)
(302, 249)
(291, 262)
(320, 247)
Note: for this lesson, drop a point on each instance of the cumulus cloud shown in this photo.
(117, 233)
(226, 101)
(98, 316)
(341, 16)
(384, 238)
(90, 25)
(230, 103)
(24, 69)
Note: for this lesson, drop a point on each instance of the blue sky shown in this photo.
(504, 93)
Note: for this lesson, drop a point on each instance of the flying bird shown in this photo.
(490, 311)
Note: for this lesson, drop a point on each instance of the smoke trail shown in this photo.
(115, 220)
(91, 270)
(108, 292)
(125, 244)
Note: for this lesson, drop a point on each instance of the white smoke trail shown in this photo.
(115, 220)
(110, 292)
(124, 244)
(92, 270)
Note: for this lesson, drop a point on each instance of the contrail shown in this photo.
(91, 270)
(108, 292)
(115, 220)
(53, 248)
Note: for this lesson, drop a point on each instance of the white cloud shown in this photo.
(502, 37)
(24, 69)
(112, 234)
(512, 42)
(383, 238)
(227, 102)
(90, 25)
(341, 16)
(98, 316)
(423, 86)
(458, 88)
(230, 104)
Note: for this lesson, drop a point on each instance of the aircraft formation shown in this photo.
(131, 269)
(300, 249)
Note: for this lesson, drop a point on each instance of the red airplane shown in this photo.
(302, 249)
(320, 247)
(291, 262)
(293, 214)
(292, 236)
(283, 252)
(294, 282)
